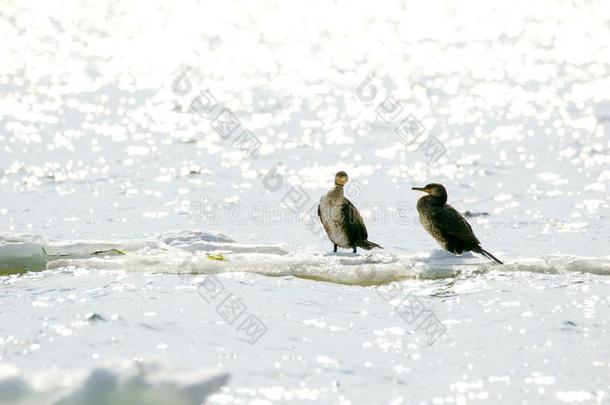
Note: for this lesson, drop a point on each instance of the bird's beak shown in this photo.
(424, 189)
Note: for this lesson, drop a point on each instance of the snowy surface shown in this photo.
(121, 207)
(121, 383)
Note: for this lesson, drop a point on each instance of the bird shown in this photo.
(341, 220)
(445, 224)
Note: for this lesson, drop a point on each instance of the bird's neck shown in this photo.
(338, 190)
(437, 201)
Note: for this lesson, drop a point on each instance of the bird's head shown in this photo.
(341, 178)
(434, 189)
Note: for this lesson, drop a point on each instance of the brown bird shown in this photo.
(446, 224)
(342, 221)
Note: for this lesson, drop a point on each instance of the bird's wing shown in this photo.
(451, 222)
(354, 225)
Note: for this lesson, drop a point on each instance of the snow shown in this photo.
(116, 383)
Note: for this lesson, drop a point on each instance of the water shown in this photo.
(129, 224)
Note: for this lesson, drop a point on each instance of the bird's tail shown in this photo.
(488, 255)
(368, 245)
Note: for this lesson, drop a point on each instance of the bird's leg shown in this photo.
(335, 249)
(355, 250)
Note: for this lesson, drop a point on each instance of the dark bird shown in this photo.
(342, 221)
(445, 224)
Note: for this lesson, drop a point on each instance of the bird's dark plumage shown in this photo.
(355, 228)
(445, 224)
